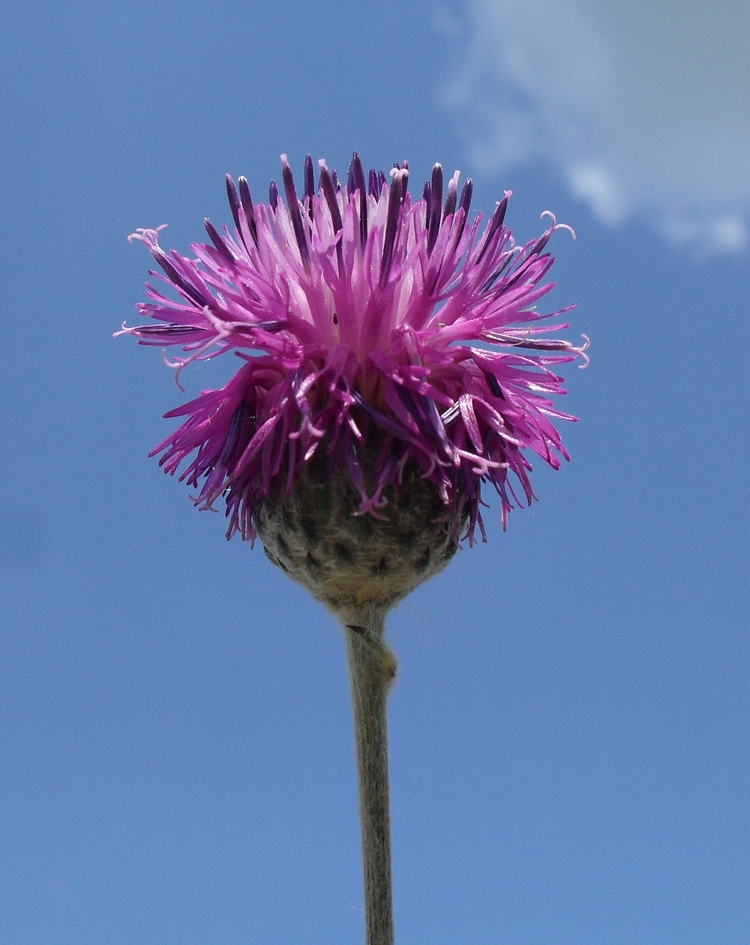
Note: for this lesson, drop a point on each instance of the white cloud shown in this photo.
(643, 107)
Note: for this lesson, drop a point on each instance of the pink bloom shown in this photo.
(356, 310)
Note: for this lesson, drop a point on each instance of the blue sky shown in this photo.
(569, 729)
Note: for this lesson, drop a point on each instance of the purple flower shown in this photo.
(358, 312)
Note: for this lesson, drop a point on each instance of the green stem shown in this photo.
(372, 668)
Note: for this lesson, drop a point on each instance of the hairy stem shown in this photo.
(372, 669)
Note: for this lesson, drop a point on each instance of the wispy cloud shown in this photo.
(643, 107)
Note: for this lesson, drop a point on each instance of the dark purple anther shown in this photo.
(179, 280)
(466, 192)
(165, 331)
(295, 212)
(495, 385)
(464, 205)
(247, 205)
(450, 201)
(329, 192)
(218, 242)
(335, 179)
(436, 199)
(273, 195)
(395, 201)
(390, 426)
(234, 201)
(309, 184)
(357, 178)
(540, 243)
(495, 223)
(374, 185)
(377, 181)
(242, 420)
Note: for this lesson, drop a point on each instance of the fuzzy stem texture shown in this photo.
(372, 669)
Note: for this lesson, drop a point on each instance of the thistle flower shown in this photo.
(358, 313)
(393, 362)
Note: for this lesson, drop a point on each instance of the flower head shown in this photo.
(361, 316)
